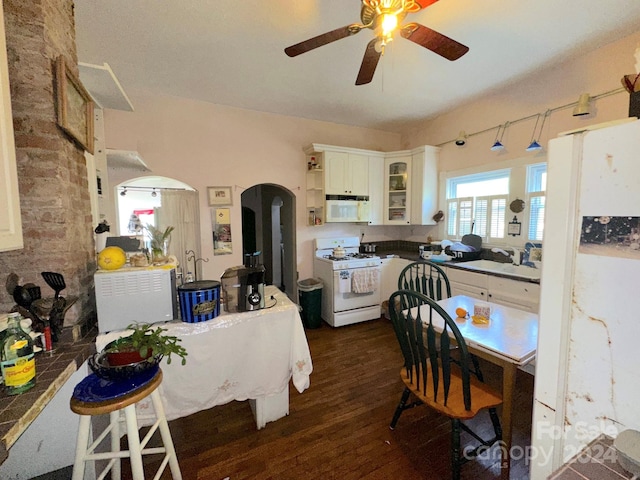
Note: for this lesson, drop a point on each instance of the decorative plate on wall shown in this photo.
(517, 205)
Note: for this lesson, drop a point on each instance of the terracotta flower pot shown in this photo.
(123, 353)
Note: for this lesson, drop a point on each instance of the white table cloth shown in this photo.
(239, 356)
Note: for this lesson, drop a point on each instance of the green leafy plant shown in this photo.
(150, 341)
(158, 238)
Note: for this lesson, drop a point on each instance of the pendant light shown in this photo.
(497, 145)
(534, 145)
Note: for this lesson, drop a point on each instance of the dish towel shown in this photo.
(364, 280)
(344, 282)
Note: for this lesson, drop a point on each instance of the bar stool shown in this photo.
(89, 400)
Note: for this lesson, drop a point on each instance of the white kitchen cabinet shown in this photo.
(424, 185)
(10, 219)
(512, 293)
(397, 188)
(468, 283)
(505, 291)
(346, 173)
(376, 189)
(389, 272)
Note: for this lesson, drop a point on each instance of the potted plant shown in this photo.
(159, 242)
(145, 342)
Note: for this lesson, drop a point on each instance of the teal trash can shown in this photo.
(310, 300)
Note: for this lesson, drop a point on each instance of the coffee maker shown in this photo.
(243, 286)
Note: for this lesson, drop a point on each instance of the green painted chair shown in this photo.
(426, 333)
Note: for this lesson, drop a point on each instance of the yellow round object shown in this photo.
(461, 312)
(112, 258)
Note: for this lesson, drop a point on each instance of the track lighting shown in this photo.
(534, 145)
(462, 138)
(497, 145)
(582, 108)
(123, 192)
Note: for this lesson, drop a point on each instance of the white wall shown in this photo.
(204, 145)
(596, 72)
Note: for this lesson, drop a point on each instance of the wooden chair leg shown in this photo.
(401, 407)
(455, 449)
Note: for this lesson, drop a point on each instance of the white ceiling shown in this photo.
(230, 52)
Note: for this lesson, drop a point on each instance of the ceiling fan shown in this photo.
(384, 17)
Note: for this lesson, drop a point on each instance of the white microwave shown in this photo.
(347, 211)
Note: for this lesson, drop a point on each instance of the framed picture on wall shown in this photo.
(75, 107)
(220, 196)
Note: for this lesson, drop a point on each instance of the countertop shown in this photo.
(410, 252)
(53, 369)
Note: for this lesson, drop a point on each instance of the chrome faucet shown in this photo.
(516, 256)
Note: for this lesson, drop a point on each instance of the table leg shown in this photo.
(508, 385)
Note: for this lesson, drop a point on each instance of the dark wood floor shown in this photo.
(339, 427)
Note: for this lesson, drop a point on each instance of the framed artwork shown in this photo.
(75, 107)
(220, 196)
(222, 243)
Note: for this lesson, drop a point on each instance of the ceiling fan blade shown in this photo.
(425, 3)
(320, 40)
(434, 41)
(369, 63)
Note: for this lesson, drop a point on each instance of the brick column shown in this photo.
(52, 175)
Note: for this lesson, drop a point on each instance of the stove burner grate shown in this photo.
(348, 256)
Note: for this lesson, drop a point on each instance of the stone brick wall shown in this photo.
(52, 175)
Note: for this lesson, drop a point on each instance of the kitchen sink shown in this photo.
(522, 271)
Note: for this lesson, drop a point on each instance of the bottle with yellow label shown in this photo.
(18, 363)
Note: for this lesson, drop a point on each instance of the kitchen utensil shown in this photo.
(472, 240)
(339, 252)
(55, 281)
(22, 296)
(34, 291)
(11, 283)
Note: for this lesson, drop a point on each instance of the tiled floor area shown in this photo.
(597, 462)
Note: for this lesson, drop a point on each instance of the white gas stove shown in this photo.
(351, 281)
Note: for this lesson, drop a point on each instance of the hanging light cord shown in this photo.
(546, 114)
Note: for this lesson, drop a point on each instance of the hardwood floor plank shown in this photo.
(339, 427)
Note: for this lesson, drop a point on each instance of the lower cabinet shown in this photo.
(390, 269)
(505, 291)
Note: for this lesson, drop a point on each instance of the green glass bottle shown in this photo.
(18, 362)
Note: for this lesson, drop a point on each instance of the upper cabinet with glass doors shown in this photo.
(397, 188)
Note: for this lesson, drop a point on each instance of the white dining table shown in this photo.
(509, 340)
(236, 356)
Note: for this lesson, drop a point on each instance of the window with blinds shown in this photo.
(536, 189)
(477, 204)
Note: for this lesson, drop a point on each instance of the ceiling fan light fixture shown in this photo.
(582, 108)
(389, 23)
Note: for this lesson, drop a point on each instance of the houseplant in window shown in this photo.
(160, 240)
(133, 354)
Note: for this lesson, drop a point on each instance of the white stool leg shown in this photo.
(133, 437)
(114, 419)
(166, 435)
(81, 447)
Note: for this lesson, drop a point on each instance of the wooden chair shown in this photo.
(431, 280)
(433, 378)
(426, 278)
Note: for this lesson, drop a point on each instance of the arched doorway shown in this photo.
(162, 202)
(269, 226)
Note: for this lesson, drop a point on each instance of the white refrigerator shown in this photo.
(588, 363)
